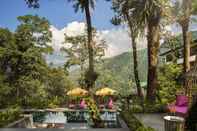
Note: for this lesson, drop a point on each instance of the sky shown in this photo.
(64, 20)
(58, 12)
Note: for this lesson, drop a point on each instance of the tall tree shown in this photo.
(22, 61)
(77, 52)
(84, 5)
(122, 9)
(184, 21)
(183, 11)
(148, 14)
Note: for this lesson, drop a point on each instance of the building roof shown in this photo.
(178, 48)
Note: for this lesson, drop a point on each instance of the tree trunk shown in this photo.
(135, 68)
(186, 42)
(184, 22)
(135, 61)
(153, 38)
(90, 46)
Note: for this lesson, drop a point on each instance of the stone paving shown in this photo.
(154, 120)
(73, 127)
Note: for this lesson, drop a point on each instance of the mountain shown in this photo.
(117, 72)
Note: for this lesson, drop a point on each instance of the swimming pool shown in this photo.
(79, 118)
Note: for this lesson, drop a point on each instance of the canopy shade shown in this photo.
(77, 92)
(105, 92)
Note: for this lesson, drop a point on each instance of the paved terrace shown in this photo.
(18, 129)
(154, 120)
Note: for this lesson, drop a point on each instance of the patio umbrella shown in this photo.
(105, 92)
(77, 92)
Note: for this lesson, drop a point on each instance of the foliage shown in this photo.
(191, 120)
(24, 73)
(171, 44)
(168, 82)
(117, 72)
(77, 53)
(30, 93)
(33, 3)
(145, 129)
(122, 9)
(131, 121)
(9, 115)
(57, 85)
(154, 108)
(94, 112)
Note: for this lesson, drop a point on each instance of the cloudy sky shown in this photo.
(63, 20)
(116, 39)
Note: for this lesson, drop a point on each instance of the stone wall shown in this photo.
(25, 122)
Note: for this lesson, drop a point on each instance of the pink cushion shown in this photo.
(181, 100)
(110, 104)
(83, 104)
(181, 109)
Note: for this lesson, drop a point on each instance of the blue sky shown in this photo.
(63, 19)
(58, 12)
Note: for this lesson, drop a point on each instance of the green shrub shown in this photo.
(9, 115)
(142, 128)
(131, 121)
(154, 108)
(137, 108)
(168, 77)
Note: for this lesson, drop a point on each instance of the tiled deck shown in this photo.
(154, 120)
(73, 127)
(17, 129)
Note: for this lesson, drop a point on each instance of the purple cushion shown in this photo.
(181, 109)
(181, 100)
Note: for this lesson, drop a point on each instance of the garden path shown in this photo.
(154, 120)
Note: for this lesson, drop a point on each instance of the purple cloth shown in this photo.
(181, 100)
(181, 109)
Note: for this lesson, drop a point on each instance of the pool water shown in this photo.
(80, 119)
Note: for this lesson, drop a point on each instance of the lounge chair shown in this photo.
(181, 105)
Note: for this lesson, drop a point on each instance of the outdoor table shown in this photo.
(174, 123)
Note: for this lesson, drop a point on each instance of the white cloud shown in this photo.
(72, 29)
(117, 40)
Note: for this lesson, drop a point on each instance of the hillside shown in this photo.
(117, 72)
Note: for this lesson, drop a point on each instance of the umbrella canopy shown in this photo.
(105, 92)
(77, 92)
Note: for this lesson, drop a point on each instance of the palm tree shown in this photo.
(148, 15)
(122, 9)
(86, 5)
(183, 20)
(183, 10)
